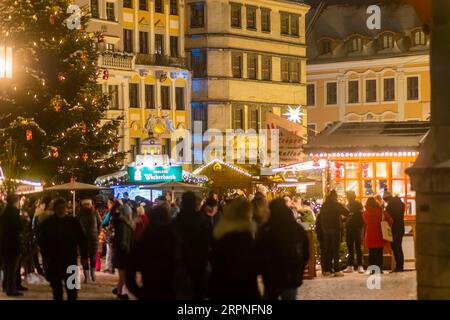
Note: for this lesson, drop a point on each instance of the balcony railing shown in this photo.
(116, 60)
(161, 60)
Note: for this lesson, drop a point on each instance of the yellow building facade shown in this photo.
(360, 75)
(248, 58)
(143, 69)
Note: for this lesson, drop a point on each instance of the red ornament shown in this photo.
(85, 156)
(105, 75)
(61, 76)
(29, 135)
(52, 19)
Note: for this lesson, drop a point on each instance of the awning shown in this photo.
(369, 137)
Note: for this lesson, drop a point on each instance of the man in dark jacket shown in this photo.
(11, 229)
(194, 239)
(396, 209)
(91, 223)
(353, 227)
(331, 223)
(59, 238)
(283, 248)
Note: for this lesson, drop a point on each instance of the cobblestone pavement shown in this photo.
(399, 286)
(394, 286)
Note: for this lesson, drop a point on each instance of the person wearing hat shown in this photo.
(396, 209)
(92, 224)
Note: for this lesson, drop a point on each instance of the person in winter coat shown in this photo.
(331, 223)
(154, 256)
(233, 257)
(373, 215)
(354, 228)
(261, 212)
(282, 240)
(194, 238)
(107, 232)
(122, 241)
(140, 223)
(60, 236)
(92, 224)
(10, 244)
(210, 210)
(396, 209)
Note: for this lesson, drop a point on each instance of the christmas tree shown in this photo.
(53, 111)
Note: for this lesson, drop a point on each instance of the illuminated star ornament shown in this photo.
(294, 114)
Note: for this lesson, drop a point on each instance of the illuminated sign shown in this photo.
(155, 174)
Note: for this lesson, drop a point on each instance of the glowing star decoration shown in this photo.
(294, 115)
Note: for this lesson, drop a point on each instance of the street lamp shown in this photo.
(6, 62)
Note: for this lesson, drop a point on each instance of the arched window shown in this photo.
(387, 41)
(419, 38)
(356, 44)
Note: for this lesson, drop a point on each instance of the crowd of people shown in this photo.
(190, 248)
(358, 222)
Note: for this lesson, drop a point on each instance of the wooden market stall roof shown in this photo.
(369, 137)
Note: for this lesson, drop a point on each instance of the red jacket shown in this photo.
(372, 222)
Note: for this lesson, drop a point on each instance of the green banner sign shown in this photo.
(155, 174)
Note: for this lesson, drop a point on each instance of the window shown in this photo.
(311, 130)
(236, 65)
(332, 93)
(353, 91)
(236, 15)
(251, 18)
(128, 3)
(174, 7)
(389, 89)
(356, 44)
(200, 113)
(325, 47)
(284, 23)
(387, 41)
(110, 47)
(290, 24)
(310, 94)
(165, 97)
(294, 25)
(419, 38)
(198, 62)
(173, 46)
(371, 90)
(149, 96)
(252, 66)
(143, 5)
(94, 9)
(413, 88)
(197, 15)
(179, 98)
(253, 113)
(290, 70)
(113, 92)
(127, 40)
(265, 20)
(266, 68)
(238, 118)
(134, 95)
(110, 11)
(143, 42)
(159, 44)
(159, 6)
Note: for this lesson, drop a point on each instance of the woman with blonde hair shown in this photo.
(233, 258)
(373, 215)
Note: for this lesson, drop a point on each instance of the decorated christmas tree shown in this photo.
(53, 111)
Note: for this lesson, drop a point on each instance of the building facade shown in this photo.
(143, 69)
(360, 75)
(248, 57)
